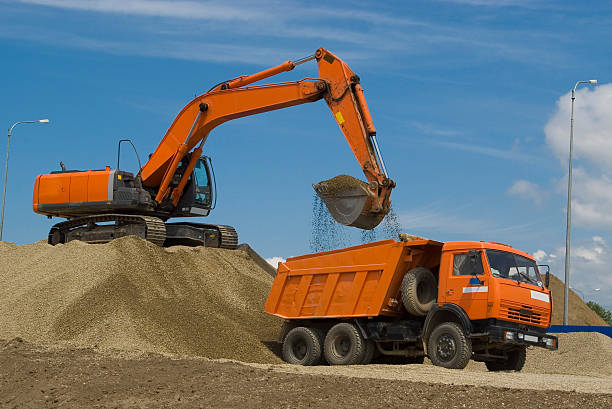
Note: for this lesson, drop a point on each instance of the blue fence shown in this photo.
(580, 328)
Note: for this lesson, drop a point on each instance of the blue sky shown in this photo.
(469, 97)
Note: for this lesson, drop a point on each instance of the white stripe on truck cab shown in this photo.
(475, 290)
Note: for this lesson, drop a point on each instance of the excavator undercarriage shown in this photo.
(106, 227)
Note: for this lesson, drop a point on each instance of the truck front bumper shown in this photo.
(523, 337)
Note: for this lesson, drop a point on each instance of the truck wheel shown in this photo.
(370, 349)
(344, 345)
(515, 361)
(449, 347)
(419, 291)
(302, 346)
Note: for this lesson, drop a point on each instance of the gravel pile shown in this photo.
(132, 295)
(579, 353)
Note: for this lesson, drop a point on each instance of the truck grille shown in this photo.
(527, 314)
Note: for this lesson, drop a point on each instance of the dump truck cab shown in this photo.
(452, 301)
(495, 293)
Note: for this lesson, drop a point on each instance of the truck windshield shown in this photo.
(513, 267)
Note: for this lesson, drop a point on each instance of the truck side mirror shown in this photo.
(547, 276)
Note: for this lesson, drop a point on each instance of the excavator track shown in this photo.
(229, 237)
(199, 234)
(150, 228)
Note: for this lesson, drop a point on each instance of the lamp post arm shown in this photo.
(10, 132)
(8, 146)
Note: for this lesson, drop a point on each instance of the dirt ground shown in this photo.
(129, 324)
(36, 376)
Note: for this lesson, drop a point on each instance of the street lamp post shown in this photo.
(8, 146)
(569, 206)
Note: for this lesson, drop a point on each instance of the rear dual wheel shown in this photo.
(343, 345)
(303, 346)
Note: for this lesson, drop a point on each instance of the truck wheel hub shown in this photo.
(342, 346)
(446, 347)
(299, 350)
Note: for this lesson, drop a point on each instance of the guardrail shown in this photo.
(580, 328)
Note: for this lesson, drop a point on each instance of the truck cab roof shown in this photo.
(470, 245)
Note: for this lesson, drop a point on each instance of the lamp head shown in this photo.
(593, 82)
(43, 121)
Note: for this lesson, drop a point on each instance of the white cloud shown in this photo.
(591, 198)
(431, 129)
(179, 9)
(592, 173)
(539, 255)
(592, 126)
(526, 190)
(589, 268)
(273, 261)
(488, 151)
(499, 3)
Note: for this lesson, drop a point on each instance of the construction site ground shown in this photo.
(59, 377)
(129, 324)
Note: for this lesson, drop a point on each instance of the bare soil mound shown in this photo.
(133, 295)
(579, 312)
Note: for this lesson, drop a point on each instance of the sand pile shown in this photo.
(579, 312)
(579, 353)
(132, 295)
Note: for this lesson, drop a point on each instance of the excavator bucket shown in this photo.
(350, 202)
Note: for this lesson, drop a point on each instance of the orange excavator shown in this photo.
(177, 181)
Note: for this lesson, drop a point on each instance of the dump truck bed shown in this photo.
(358, 281)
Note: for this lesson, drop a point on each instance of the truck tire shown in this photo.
(419, 291)
(302, 346)
(515, 361)
(449, 347)
(344, 345)
(370, 349)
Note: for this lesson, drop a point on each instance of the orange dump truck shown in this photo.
(461, 300)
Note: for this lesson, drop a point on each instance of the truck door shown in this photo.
(467, 284)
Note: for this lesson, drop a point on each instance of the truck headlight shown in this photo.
(509, 335)
(520, 336)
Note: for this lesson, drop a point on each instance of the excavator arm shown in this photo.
(357, 204)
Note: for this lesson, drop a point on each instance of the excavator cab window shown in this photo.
(203, 190)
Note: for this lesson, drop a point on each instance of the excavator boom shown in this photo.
(355, 204)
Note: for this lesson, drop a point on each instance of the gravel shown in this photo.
(133, 295)
(579, 353)
(342, 182)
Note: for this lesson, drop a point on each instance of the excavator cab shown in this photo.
(198, 197)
